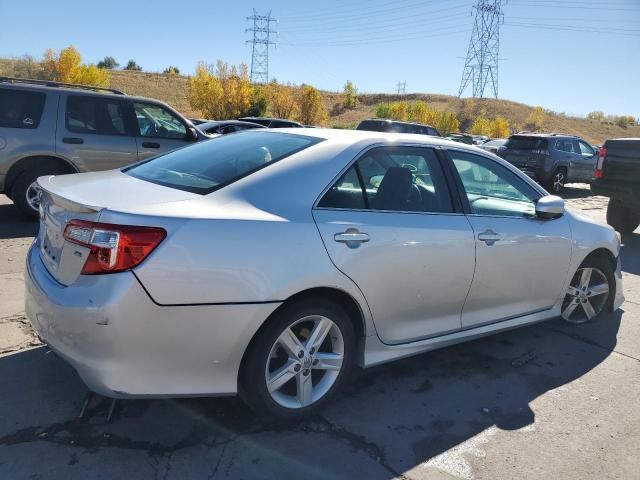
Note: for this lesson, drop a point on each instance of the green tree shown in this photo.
(350, 95)
(259, 103)
(132, 65)
(595, 116)
(109, 63)
(171, 70)
(446, 122)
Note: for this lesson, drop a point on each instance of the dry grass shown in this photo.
(172, 89)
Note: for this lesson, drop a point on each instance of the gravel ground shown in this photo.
(547, 401)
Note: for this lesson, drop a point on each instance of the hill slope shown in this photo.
(172, 89)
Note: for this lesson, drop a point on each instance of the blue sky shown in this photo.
(571, 56)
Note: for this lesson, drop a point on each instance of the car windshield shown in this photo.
(208, 166)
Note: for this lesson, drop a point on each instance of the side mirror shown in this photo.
(192, 134)
(550, 207)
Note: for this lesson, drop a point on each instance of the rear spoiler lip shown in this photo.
(68, 204)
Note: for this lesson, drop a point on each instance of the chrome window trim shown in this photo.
(361, 154)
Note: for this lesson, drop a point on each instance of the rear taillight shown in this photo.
(600, 165)
(113, 248)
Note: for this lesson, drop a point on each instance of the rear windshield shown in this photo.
(374, 126)
(20, 109)
(526, 143)
(212, 164)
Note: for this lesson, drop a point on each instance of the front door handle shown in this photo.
(489, 237)
(150, 145)
(352, 237)
(74, 140)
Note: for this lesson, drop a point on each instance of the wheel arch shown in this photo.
(351, 306)
(37, 161)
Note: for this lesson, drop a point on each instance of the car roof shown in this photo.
(79, 90)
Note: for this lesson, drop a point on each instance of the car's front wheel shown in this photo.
(299, 360)
(590, 292)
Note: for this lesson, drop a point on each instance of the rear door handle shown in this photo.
(74, 140)
(352, 237)
(489, 237)
(150, 145)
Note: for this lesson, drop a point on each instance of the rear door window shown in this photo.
(208, 166)
(20, 108)
(102, 116)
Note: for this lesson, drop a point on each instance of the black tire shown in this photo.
(556, 183)
(21, 185)
(607, 268)
(252, 384)
(623, 219)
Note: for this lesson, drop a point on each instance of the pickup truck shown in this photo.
(617, 176)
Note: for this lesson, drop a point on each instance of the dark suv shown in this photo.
(394, 126)
(51, 128)
(552, 159)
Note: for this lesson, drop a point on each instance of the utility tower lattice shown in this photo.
(481, 64)
(261, 41)
(402, 87)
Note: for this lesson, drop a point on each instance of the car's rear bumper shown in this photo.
(124, 345)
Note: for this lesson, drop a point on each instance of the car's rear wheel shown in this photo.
(299, 360)
(557, 182)
(590, 292)
(623, 219)
(25, 192)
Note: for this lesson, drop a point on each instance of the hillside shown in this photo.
(173, 90)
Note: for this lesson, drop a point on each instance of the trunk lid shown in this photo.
(85, 197)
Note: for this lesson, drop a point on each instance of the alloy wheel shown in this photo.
(304, 362)
(558, 181)
(587, 295)
(32, 195)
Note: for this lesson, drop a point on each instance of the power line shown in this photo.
(481, 64)
(261, 40)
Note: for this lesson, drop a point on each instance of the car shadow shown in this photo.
(576, 192)
(13, 224)
(392, 418)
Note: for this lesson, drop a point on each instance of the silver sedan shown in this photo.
(270, 263)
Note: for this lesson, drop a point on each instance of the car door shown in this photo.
(522, 261)
(389, 225)
(159, 130)
(94, 132)
(587, 160)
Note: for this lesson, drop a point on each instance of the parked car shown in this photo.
(395, 126)
(270, 263)
(460, 137)
(50, 128)
(272, 122)
(494, 146)
(617, 176)
(222, 127)
(552, 159)
(480, 139)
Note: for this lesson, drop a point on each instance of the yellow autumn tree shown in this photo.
(481, 126)
(399, 111)
(68, 67)
(205, 92)
(282, 99)
(420, 112)
(446, 122)
(310, 106)
(222, 91)
(535, 120)
(499, 128)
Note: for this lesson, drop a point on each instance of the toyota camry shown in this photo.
(271, 263)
